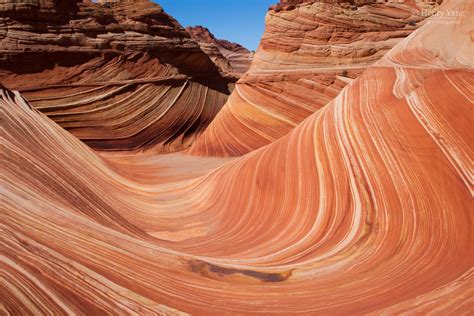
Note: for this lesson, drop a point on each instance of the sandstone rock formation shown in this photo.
(310, 50)
(238, 57)
(119, 75)
(363, 208)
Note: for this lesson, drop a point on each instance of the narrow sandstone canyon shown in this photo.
(337, 179)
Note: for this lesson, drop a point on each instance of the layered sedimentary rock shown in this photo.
(310, 50)
(225, 54)
(363, 208)
(119, 75)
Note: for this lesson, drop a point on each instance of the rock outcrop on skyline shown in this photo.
(309, 51)
(363, 208)
(238, 58)
(118, 76)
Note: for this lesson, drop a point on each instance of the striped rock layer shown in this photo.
(308, 53)
(236, 57)
(119, 76)
(363, 208)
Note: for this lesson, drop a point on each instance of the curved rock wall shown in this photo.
(363, 208)
(308, 53)
(120, 76)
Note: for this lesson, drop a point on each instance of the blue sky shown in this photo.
(240, 21)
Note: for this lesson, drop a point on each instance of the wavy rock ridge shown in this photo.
(119, 75)
(363, 208)
(308, 53)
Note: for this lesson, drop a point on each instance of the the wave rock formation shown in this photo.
(363, 208)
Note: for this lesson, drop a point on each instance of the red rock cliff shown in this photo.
(237, 56)
(309, 51)
(118, 75)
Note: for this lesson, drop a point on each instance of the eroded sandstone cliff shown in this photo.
(238, 57)
(309, 51)
(118, 75)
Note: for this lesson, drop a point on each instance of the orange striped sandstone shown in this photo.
(308, 53)
(363, 208)
(119, 76)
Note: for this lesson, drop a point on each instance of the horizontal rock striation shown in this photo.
(363, 209)
(308, 53)
(120, 76)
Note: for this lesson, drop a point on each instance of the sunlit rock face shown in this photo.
(119, 76)
(225, 54)
(310, 50)
(364, 208)
(39, 10)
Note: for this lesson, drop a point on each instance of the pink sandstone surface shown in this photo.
(363, 208)
(117, 75)
(310, 50)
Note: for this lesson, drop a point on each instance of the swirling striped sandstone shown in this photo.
(117, 75)
(363, 208)
(238, 57)
(308, 53)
